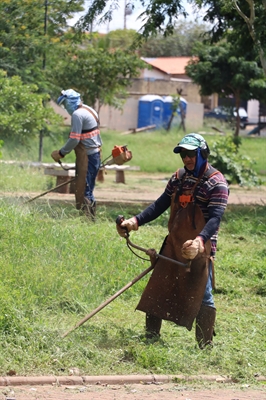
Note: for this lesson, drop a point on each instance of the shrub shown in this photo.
(235, 167)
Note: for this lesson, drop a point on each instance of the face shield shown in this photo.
(70, 99)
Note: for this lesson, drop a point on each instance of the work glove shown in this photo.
(191, 248)
(56, 155)
(127, 226)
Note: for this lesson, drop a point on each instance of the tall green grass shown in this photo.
(56, 267)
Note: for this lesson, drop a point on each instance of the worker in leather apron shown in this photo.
(85, 140)
(197, 196)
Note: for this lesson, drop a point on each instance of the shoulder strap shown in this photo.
(180, 173)
(210, 172)
(94, 116)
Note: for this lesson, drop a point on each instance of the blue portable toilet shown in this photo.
(168, 101)
(151, 111)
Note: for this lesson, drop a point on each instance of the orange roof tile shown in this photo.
(169, 65)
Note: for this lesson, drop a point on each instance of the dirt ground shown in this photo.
(145, 188)
(165, 391)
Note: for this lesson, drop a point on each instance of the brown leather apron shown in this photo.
(81, 174)
(173, 292)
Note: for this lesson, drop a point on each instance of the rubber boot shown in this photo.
(89, 208)
(153, 326)
(92, 209)
(205, 321)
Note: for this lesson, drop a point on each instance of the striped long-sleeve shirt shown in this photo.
(211, 195)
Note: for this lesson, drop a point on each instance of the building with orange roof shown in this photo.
(166, 68)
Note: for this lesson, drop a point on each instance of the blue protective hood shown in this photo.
(70, 99)
(200, 163)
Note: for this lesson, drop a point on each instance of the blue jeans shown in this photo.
(94, 162)
(208, 297)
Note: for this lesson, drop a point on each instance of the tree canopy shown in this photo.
(100, 76)
(217, 69)
(29, 32)
(22, 112)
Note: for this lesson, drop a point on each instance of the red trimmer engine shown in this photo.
(120, 155)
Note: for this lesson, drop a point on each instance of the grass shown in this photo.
(152, 151)
(56, 267)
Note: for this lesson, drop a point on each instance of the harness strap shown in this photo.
(184, 199)
(94, 116)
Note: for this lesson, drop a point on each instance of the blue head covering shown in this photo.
(70, 99)
(200, 163)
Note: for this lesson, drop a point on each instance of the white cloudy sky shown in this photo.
(132, 21)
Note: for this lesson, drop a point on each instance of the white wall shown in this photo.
(120, 120)
(114, 119)
(153, 74)
(253, 110)
(194, 117)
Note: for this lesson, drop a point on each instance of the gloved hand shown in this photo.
(130, 224)
(192, 247)
(56, 155)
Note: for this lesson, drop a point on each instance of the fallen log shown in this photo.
(136, 130)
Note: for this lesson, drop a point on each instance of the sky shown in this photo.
(132, 21)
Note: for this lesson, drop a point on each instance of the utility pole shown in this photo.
(127, 11)
(43, 67)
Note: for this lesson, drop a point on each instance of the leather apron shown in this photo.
(81, 174)
(174, 292)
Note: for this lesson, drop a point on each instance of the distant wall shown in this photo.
(128, 119)
(120, 120)
(162, 87)
(194, 118)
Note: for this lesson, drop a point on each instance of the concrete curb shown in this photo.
(111, 379)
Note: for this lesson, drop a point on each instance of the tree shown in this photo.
(29, 32)
(22, 111)
(255, 26)
(98, 75)
(159, 15)
(218, 70)
(228, 16)
(180, 43)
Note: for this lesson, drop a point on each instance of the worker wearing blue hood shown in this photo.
(197, 192)
(85, 140)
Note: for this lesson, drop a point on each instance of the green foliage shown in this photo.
(29, 34)
(158, 15)
(119, 39)
(240, 23)
(23, 113)
(235, 167)
(180, 43)
(98, 74)
(217, 70)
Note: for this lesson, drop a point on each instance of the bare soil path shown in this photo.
(166, 391)
(144, 188)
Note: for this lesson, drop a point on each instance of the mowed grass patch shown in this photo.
(57, 267)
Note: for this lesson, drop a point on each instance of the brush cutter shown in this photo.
(153, 257)
(120, 155)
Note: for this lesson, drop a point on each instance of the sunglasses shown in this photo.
(189, 153)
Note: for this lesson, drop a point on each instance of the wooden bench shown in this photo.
(63, 176)
(119, 172)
